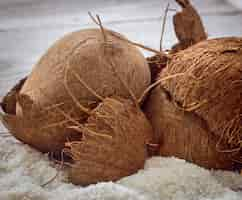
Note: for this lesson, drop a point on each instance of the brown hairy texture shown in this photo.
(156, 64)
(201, 117)
(71, 79)
(8, 103)
(188, 26)
(113, 145)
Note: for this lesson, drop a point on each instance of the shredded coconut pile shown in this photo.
(23, 170)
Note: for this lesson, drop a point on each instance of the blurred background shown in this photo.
(29, 27)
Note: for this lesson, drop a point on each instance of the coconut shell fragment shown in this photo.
(113, 144)
(198, 116)
(189, 30)
(188, 26)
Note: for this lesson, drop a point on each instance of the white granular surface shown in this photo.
(23, 170)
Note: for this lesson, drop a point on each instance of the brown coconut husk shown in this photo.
(70, 80)
(113, 144)
(188, 26)
(198, 116)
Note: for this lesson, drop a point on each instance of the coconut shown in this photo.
(113, 143)
(75, 74)
(156, 64)
(198, 116)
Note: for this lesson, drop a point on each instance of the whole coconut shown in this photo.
(69, 81)
(198, 116)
